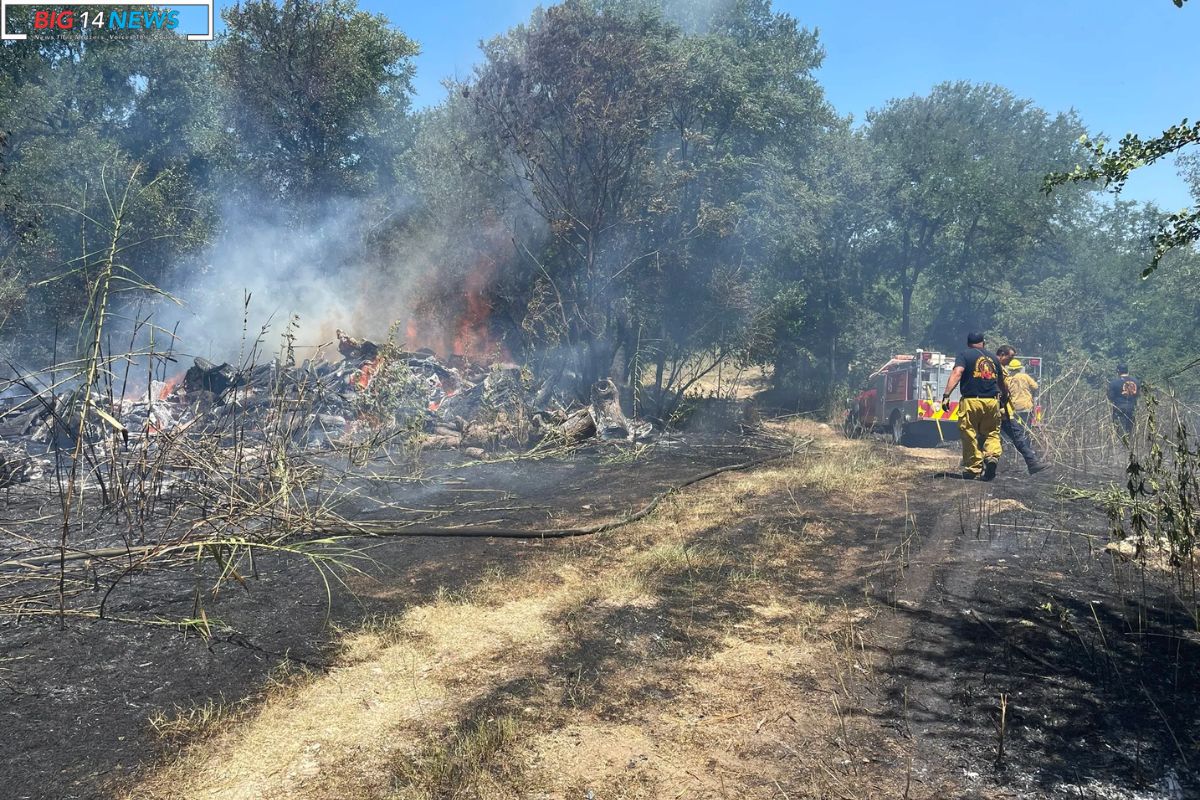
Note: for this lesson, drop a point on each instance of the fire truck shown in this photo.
(903, 399)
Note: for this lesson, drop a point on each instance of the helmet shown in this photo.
(1014, 365)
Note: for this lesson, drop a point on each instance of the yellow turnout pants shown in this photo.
(979, 427)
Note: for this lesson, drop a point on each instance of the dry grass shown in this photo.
(729, 381)
(197, 720)
(472, 761)
(684, 656)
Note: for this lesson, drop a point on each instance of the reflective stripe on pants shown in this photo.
(979, 428)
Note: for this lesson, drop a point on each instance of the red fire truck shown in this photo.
(903, 399)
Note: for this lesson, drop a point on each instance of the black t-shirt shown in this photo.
(1123, 391)
(981, 372)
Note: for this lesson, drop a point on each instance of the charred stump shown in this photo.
(605, 411)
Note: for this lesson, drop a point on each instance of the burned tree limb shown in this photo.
(579, 425)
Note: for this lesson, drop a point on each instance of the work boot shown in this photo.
(968, 475)
(1037, 467)
(989, 469)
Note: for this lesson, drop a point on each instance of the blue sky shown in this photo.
(1124, 65)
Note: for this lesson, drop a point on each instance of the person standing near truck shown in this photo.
(1016, 423)
(1021, 385)
(983, 394)
(1123, 392)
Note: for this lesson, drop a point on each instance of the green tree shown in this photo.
(732, 200)
(830, 309)
(1112, 168)
(317, 92)
(574, 101)
(669, 169)
(74, 109)
(962, 170)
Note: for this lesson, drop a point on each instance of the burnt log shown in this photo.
(204, 376)
(446, 430)
(444, 441)
(579, 425)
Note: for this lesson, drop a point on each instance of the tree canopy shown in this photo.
(624, 188)
(1112, 168)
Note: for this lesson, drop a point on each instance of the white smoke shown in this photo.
(318, 273)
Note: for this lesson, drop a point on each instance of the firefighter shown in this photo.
(1021, 385)
(983, 395)
(1123, 394)
(1015, 423)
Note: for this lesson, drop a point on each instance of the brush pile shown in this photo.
(371, 392)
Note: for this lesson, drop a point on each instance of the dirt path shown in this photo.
(839, 623)
(712, 650)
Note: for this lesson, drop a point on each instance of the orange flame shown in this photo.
(367, 372)
(473, 336)
(470, 334)
(169, 386)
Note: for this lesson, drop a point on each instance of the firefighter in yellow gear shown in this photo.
(1021, 385)
(983, 396)
(1017, 422)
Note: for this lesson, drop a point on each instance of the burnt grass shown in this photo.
(78, 698)
(1096, 657)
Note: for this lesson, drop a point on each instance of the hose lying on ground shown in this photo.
(364, 527)
(392, 528)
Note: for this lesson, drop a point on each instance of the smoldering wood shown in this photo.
(460, 405)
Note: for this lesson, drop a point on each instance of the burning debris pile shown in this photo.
(372, 394)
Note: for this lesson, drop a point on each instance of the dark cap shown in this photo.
(1122, 369)
(974, 337)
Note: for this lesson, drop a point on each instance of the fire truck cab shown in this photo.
(903, 399)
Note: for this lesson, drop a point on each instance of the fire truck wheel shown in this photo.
(897, 428)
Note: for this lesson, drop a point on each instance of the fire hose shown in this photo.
(363, 527)
(390, 528)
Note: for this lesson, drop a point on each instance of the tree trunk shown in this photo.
(606, 411)
(906, 293)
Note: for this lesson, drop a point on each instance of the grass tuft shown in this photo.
(472, 761)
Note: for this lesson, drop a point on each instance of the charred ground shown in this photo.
(82, 694)
(838, 622)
